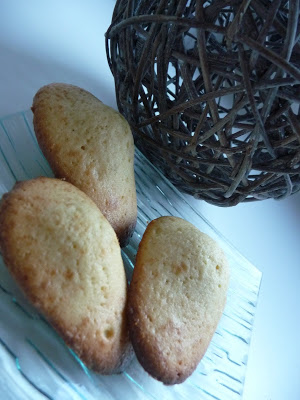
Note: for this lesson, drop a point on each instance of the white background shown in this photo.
(47, 41)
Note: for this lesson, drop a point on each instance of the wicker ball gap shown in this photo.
(211, 91)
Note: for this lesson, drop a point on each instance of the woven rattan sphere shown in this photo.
(211, 90)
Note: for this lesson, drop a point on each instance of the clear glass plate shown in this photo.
(34, 361)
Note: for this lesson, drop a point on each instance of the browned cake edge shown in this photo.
(87, 353)
(143, 347)
(124, 233)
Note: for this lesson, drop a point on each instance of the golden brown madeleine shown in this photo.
(176, 298)
(66, 258)
(90, 145)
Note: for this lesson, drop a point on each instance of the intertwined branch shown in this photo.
(212, 90)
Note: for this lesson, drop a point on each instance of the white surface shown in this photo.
(42, 42)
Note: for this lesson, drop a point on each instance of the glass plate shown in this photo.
(34, 361)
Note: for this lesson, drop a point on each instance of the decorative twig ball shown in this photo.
(211, 90)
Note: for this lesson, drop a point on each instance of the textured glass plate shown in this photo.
(34, 361)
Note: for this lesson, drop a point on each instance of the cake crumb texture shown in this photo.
(66, 258)
(91, 146)
(176, 298)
